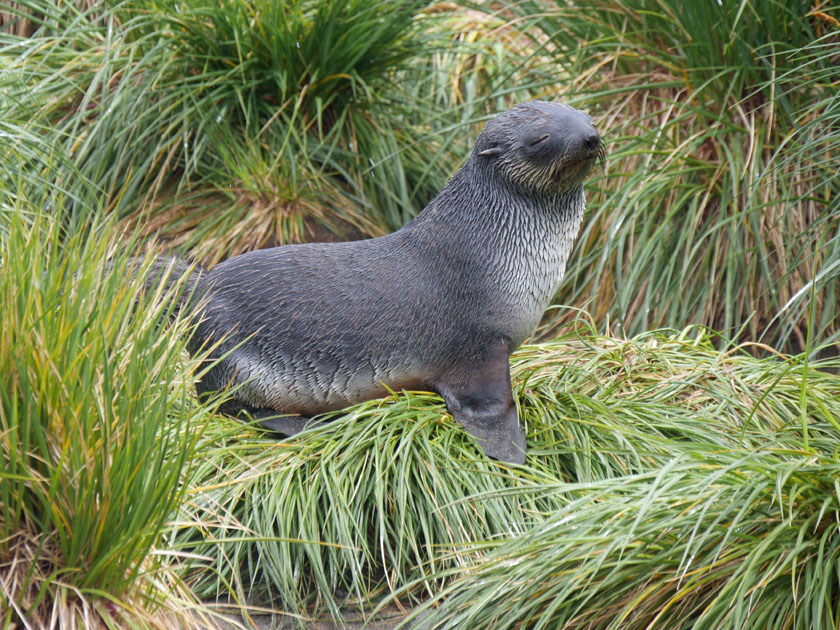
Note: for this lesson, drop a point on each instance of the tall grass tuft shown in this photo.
(289, 108)
(720, 202)
(226, 127)
(98, 425)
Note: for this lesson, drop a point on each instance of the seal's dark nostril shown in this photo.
(591, 140)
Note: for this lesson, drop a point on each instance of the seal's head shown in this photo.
(540, 146)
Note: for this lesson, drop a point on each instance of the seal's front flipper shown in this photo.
(479, 397)
(496, 429)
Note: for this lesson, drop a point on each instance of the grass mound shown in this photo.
(395, 497)
(713, 503)
(347, 511)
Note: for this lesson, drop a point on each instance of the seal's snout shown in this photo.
(591, 140)
(581, 137)
(555, 131)
(593, 147)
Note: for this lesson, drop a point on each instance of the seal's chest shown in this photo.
(535, 267)
(527, 298)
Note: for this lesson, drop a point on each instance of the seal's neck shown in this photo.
(512, 245)
(479, 208)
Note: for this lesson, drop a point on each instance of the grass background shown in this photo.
(675, 478)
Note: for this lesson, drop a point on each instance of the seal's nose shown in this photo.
(591, 139)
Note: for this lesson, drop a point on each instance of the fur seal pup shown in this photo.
(437, 305)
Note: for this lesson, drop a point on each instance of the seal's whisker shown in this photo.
(602, 155)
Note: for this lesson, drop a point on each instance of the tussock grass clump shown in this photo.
(98, 424)
(290, 117)
(599, 407)
(395, 497)
(702, 492)
(713, 539)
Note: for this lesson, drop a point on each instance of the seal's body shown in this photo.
(438, 305)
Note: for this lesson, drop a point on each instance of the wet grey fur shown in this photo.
(437, 305)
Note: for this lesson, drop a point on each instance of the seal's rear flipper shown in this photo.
(479, 397)
(270, 419)
(287, 425)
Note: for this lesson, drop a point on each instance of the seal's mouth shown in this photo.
(573, 169)
(571, 172)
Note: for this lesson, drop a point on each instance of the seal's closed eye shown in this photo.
(539, 140)
(491, 152)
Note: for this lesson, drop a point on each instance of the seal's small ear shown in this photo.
(491, 152)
